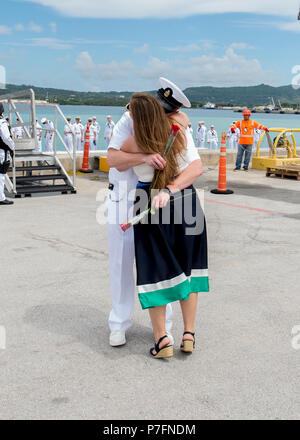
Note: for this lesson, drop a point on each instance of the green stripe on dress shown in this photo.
(199, 284)
(165, 296)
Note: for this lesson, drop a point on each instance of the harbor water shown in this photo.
(221, 119)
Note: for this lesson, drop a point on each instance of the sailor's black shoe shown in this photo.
(6, 202)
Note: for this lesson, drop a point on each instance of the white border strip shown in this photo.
(167, 284)
(199, 273)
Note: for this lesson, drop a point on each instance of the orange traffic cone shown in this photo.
(85, 162)
(222, 189)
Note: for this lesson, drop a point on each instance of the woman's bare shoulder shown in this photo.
(130, 145)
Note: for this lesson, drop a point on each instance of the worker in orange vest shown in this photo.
(246, 127)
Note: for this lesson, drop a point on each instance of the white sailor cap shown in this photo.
(171, 96)
(43, 120)
(94, 117)
(108, 116)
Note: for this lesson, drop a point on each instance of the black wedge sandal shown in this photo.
(161, 353)
(187, 345)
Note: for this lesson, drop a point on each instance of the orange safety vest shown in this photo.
(247, 131)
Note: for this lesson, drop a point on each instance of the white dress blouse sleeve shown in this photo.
(122, 131)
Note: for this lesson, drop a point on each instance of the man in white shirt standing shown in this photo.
(201, 135)
(7, 147)
(49, 135)
(212, 138)
(108, 130)
(39, 133)
(93, 134)
(68, 132)
(96, 129)
(256, 137)
(18, 132)
(79, 133)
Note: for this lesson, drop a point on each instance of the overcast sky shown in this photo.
(117, 45)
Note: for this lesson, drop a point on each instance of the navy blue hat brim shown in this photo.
(169, 103)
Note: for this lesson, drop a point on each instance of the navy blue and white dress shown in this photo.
(171, 246)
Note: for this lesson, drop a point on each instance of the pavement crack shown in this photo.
(55, 242)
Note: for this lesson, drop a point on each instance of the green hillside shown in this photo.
(233, 96)
(249, 96)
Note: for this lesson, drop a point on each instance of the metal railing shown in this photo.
(281, 133)
(26, 146)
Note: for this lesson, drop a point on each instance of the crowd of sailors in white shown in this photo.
(205, 139)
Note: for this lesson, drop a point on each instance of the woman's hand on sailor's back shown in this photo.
(155, 161)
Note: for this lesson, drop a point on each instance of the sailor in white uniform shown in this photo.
(108, 130)
(68, 132)
(79, 133)
(92, 134)
(49, 135)
(212, 138)
(7, 146)
(201, 135)
(232, 135)
(237, 138)
(256, 137)
(123, 181)
(96, 131)
(39, 133)
(18, 132)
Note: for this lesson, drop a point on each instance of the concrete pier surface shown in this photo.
(55, 302)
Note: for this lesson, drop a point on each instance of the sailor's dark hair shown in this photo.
(1, 108)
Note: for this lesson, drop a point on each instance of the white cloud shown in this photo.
(105, 72)
(114, 69)
(186, 48)
(33, 27)
(85, 65)
(142, 49)
(63, 59)
(227, 70)
(292, 26)
(4, 30)
(155, 68)
(53, 27)
(241, 46)
(168, 8)
(50, 43)
(19, 27)
(230, 69)
(87, 68)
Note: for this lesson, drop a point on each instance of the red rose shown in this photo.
(175, 129)
(125, 226)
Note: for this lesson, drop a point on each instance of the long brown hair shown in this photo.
(152, 129)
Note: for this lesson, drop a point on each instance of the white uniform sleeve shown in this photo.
(122, 131)
(191, 151)
(5, 136)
